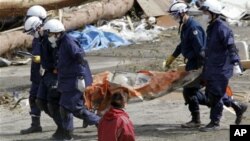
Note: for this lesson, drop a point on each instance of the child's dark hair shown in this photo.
(118, 100)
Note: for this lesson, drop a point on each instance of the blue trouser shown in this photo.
(34, 110)
(48, 97)
(227, 101)
(193, 97)
(42, 94)
(72, 103)
(215, 90)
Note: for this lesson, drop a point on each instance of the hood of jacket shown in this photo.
(115, 113)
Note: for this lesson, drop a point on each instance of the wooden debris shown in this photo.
(91, 12)
(10, 8)
(153, 8)
(13, 40)
(245, 64)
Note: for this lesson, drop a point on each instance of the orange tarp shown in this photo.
(145, 85)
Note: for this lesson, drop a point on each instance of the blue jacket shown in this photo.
(219, 58)
(193, 40)
(69, 66)
(35, 67)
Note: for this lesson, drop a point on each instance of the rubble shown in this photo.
(5, 63)
(5, 99)
(72, 20)
(236, 10)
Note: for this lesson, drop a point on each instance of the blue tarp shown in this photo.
(92, 38)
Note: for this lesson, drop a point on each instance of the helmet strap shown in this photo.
(213, 16)
(180, 23)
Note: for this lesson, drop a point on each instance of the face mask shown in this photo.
(206, 18)
(52, 39)
(36, 34)
(41, 32)
(53, 45)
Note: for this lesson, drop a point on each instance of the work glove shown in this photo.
(36, 59)
(81, 84)
(166, 64)
(41, 71)
(237, 70)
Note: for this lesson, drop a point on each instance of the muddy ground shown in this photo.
(155, 120)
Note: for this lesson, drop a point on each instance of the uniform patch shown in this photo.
(195, 32)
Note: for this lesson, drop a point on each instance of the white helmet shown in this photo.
(54, 26)
(177, 8)
(37, 11)
(32, 23)
(213, 6)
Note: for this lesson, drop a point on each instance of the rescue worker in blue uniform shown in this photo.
(40, 12)
(48, 96)
(73, 76)
(192, 45)
(221, 59)
(35, 75)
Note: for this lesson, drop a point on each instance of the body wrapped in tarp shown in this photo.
(143, 85)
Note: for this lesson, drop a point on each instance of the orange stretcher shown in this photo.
(143, 85)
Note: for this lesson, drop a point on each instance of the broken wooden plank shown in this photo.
(153, 8)
(245, 64)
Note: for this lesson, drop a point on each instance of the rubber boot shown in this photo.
(35, 126)
(195, 122)
(84, 124)
(67, 136)
(58, 135)
(239, 109)
(212, 126)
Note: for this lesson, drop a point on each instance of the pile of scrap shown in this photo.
(76, 17)
(86, 14)
(5, 99)
(93, 11)
(158, 9)
(236, 10)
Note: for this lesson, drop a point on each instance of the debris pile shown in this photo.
(13, 101)
(5, 99)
